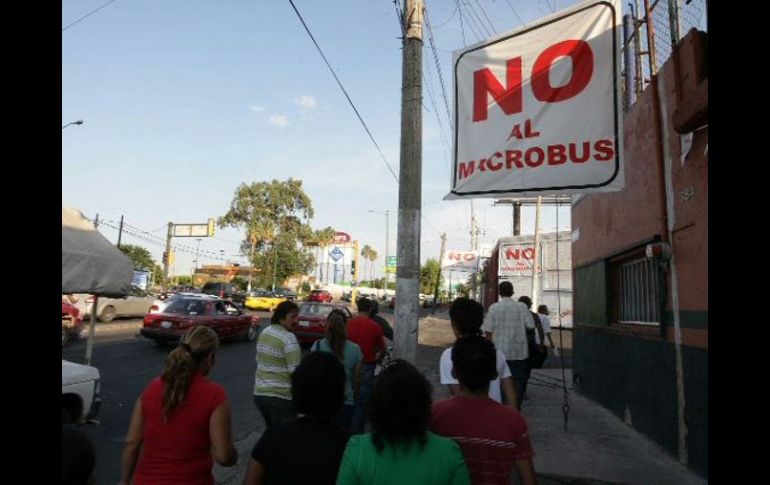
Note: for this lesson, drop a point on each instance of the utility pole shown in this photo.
(536, 256)
(438, 278)
(475, 231)
(120, 231)
(167, 256)
(354, 292)
(516, 218)
(387, 250)
(253, 242)
(410, 186)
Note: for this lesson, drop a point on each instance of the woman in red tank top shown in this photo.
(181, 420)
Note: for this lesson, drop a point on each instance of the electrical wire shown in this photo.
(514, 11)
(438, 69)
(86, 15)
(352, 105)
(484, 12)
(462, 29)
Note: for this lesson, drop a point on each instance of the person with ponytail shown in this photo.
(337, 343)
(182, 420)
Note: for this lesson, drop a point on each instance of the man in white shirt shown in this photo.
(467, 316)
(543, 313)
(506, 325)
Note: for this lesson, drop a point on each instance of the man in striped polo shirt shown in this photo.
(278, 354)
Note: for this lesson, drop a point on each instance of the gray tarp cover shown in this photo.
(89, 262)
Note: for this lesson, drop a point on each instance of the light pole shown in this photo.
(387, 247)
(78, 122)
(192, 276)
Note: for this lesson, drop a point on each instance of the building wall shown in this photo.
(629, 368)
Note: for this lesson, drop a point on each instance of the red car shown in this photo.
(71, 323)
(320, 295)
(312, 320)
(222, 316)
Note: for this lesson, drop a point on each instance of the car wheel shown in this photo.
(108, 314)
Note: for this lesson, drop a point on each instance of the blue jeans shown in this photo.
(274, 409)
(359, 414)
(520, 372)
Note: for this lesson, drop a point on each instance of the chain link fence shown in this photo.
(650, 39)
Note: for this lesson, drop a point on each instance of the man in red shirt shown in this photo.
(492, 437)
(368, 335)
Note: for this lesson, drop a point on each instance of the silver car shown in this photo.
(136, 304)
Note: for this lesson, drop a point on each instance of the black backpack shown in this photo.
(537, 353)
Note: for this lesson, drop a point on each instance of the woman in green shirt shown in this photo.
(400, 449)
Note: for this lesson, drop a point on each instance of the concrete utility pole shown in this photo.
(536, 257)
(120, 231)
(167, 256)
(438, 277)
(387, 250)
(410, 187)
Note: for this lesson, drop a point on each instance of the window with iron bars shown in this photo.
(637, 295)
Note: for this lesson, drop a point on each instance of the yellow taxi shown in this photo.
(263, 301)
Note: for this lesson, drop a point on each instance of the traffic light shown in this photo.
(165, 257)
(353, 268)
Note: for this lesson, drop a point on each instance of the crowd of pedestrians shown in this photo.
(330, 420)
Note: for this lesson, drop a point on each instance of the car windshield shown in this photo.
(186, 306)
(315, 310)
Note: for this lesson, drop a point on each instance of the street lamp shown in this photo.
(387, 248)
(78, 122)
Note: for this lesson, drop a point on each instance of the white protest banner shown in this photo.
(517, 260)
(538, 109)
(467, 261)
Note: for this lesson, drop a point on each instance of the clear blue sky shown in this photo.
(183, 100)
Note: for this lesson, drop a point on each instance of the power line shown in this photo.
(462, 29)
(486, 16)
(477, 18)
(343, 89)
(438, 69)
(514, 11)
(86, 15)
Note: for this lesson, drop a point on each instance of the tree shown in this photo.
(320, 239)
(141, 257)
(372, 258)
(365, 255)
(277, 239)
(428, 274)
(324, 237)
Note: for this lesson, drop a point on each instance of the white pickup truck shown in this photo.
(80, 392)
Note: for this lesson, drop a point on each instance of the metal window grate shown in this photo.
(639, 300)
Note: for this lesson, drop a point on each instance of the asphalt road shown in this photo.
(128, 362)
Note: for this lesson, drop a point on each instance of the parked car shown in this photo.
(80, 392)
(136, 304)
(71, 323)
(159, 305)
(224, 290)
(222, 316)
(266, 301)
(320, 295)
(287, 293)
(312, 320)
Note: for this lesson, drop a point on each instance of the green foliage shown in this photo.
(240, 282)
(272, 214)
(305, 287)
(141, 257)
(428, 274)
